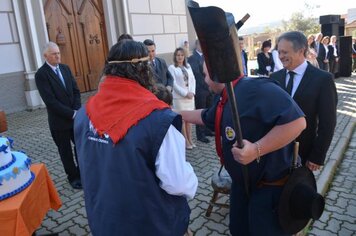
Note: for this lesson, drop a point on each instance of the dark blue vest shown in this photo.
(122, 193)
(262, 104)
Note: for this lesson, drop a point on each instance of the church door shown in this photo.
(78, 27)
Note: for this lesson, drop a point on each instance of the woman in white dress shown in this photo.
(183, 90)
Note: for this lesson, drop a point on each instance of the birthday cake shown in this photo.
(15, 174)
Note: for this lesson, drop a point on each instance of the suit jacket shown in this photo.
(162, 74)
(317, 97)
(60, 101)
(322, 55)
(263, 62)
(244, 54)
(196, 62)
(331, 55)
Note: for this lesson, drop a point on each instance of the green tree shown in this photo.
(303, 21)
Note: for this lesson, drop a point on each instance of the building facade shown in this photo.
(84, 31)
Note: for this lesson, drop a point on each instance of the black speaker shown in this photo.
(345, 62)
(342, 27)
(330, 29)
(329, 19)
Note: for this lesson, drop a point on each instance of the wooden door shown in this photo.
(78, 27)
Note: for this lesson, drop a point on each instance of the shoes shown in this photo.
(204, 139)
(76, 184)
(189, 147)
(193, 145)
(209, 133)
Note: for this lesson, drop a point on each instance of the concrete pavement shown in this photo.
(31, 134)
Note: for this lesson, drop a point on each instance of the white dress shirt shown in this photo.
(299, 73)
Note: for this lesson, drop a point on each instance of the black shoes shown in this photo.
(209, 133)
(203, 139)
(76, 184)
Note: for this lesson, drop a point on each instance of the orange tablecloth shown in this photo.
(23, 213)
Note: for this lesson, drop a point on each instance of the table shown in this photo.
(23, 213)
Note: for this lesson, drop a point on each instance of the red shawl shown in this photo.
(120, 104)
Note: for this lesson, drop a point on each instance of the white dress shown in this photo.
(181, 86)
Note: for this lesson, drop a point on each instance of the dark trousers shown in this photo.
(255, 216)
(63, 139)
(202, 100)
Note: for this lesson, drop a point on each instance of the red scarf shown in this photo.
(120, 104)
(218, 116)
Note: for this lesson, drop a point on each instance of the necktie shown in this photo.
(290, 82)
(59, 74)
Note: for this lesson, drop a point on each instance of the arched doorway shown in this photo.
(78, 27)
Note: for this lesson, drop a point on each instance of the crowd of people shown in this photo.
(323, 52)
(130, 139)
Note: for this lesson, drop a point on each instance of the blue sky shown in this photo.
(272, 10)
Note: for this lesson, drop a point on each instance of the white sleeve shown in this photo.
(176, 176)
(192, 82)
(277, 62)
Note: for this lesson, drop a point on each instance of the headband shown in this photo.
(134, 60)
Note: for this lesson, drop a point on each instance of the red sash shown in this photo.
(218, 116)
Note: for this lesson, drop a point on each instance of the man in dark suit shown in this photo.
(60, 93)
(203, 95)
(243, 55)
(159, 65)
(314, 91)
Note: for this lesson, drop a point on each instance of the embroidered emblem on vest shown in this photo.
(230, 133)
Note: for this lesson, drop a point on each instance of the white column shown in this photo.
(33, 98)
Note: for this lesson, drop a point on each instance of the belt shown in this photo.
(278, 182)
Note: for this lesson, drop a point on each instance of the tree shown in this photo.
(303, 21)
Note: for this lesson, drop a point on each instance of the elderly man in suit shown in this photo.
(161, 75)
(60, 93)
(314, 91)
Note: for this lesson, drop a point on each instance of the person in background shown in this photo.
(311, 52)
(265, 59)
(317, 39)
(136, 180)
(277, 63)
(159, 66)
(322, 57)
(314, 91)
(203, 96)
(333, 55)
(124, 36)
(186, 48)
(183, 90)
(59, 91)
(244, 57)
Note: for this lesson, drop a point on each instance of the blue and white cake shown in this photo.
(15, 174)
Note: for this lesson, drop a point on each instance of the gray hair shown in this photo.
(49, 45)
(298, 40)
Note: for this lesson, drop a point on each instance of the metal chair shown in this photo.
(221, 183)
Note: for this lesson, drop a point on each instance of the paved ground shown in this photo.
(31, 134)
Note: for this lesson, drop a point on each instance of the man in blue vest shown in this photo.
(131, 154)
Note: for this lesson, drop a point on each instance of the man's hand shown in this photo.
(312, 166)
(247, 154)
